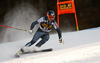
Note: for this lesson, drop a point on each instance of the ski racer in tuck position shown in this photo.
(46, 23)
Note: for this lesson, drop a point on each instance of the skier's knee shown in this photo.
(46, 39)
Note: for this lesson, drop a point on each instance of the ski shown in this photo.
(43, 50)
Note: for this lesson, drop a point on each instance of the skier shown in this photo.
(46, 23)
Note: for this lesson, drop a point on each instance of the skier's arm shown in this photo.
(59, 32)
(36, 22)
(33, 24)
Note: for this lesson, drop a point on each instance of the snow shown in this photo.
(77, 47)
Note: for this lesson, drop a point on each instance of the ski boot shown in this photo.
(21, 51)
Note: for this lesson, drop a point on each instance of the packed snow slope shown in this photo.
(77, 47)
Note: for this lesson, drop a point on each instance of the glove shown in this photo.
(30, 31)
(60, 40)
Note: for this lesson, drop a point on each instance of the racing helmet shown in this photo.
(51, 14)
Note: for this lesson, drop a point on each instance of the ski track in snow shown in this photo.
(78, 47)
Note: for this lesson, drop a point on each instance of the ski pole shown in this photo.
(14, 28)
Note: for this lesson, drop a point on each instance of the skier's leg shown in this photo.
(45, 38)
(35, 38)
(27, 47)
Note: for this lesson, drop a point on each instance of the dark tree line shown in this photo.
(88, 11)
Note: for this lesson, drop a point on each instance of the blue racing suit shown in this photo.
(45, 27)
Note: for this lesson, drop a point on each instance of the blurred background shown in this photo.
(21, 13)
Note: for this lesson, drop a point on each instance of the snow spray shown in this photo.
(21, 17)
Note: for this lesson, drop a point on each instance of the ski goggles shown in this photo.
(50, 17)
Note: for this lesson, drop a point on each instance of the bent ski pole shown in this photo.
(14, 28)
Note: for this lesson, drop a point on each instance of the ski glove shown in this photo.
(60, 40)
(30, 31)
